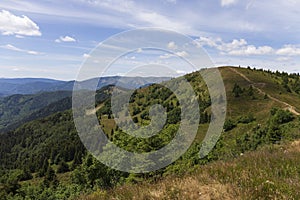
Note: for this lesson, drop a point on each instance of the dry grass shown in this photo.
(295, 146)
(269, 173)
(188, 188)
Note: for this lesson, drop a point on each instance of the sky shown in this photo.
(52, 39)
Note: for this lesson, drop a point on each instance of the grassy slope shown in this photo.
(271, 172)
(259, 106)
(271, 86)
(268, 173)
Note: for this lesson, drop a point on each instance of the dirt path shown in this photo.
(93, 111)
(289, 107)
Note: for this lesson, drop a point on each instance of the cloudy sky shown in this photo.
(52, 38)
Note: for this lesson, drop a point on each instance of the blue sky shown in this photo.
(52, 38)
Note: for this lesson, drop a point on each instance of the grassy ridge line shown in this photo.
(289, 107)
(274, 84)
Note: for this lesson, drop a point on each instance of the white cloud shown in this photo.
(86, 55)
(13, 48)
(231, 46)
(14, 25)
(206, 41)
(172, 45)
(10, 47)
(252, 50)
(236, 47)
(65, 39)
(32, 52)
(182, 54)
(166, 56)
(241, 47)
(289, 50)
(169, 55)
(228, 2)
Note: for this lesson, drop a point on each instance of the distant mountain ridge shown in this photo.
(27, 85)
(36, 85)
(27, 80)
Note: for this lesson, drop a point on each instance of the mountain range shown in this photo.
(36, 85)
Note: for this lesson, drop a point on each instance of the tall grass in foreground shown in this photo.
(272, 172)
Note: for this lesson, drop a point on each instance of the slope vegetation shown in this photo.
(261, 117)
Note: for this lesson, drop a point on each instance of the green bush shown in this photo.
(282, 116)
(246, 119)
(63, 167)
(229, 125)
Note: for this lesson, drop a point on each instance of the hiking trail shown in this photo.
(289, 107)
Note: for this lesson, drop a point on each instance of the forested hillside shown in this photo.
(17, 109)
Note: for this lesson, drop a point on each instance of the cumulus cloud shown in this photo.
(235, 47)
(65, 39)
(205, 41)
(289, 50)
(172, 45)
(228, 2)
(235, 44)
(242, 48)
(252, 50)
(13, 48)
(11, 24)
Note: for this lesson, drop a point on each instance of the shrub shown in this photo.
(246, 119)
(229, 125)
(63, 167)
(281, 117)
(237, 90)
